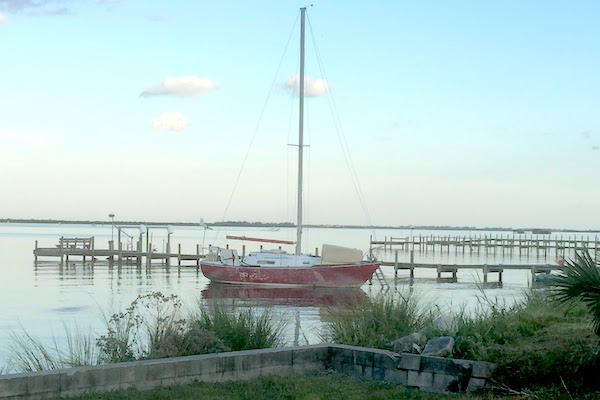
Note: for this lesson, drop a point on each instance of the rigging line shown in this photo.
(341, 137)
(258, 123)
(343, 141)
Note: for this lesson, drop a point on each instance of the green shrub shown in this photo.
(377, 322)
(579, 280)
(147, 329)
(238, 328)
(532, 341)
(153, 328)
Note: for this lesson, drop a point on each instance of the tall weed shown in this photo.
(239, 328)
(30, 354)
(377, 322)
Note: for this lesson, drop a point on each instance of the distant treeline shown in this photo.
(289, 225)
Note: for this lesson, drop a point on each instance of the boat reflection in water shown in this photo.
(305, 311)
(285, 296)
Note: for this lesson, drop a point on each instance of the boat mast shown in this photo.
(300, 135)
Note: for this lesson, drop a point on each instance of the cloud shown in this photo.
(50, 7)
(170, 122)
(186, 86)
(2, 19)
(38, 7)
(312, 88)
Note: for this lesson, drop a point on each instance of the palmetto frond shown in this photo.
(580, 279)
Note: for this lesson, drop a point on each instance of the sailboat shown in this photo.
(337, 266)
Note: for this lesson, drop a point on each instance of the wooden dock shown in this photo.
(86, 249)
(492, 243)
(449, 272)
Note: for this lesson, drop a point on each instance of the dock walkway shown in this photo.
(520, 243)
(85, 248)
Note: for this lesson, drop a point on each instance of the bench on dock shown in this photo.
(75, 243)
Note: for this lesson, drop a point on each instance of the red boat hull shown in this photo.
(354, 275)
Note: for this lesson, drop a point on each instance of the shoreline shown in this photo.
(530, 230)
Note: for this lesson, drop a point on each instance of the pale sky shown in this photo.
(459, 113)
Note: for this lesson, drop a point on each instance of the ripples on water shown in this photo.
(42, 298)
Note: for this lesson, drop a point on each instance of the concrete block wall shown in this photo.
(425, 373)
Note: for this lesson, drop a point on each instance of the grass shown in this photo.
(533, 342)
(322, 386)
(29, 354)
(244, 329)
(377, 322)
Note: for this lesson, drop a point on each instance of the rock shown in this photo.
(409, 344)
(417, 349)
(440, 347)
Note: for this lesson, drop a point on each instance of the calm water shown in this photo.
(43, 298)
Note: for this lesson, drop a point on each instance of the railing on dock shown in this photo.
(491, 243)
(85, 248)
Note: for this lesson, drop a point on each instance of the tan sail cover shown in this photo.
(340, 255)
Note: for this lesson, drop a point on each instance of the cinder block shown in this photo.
(367, 372)
(169, 382)
(348, 368)
(246, 361)
(441, 382)
(363, 357)
(307, 369)
(185, 368)
(120, 375)
(275, 357)
(43, 382)
(378, 374)
(309, 359)
(341, 355)
(436, 364)
(483, 369)
(161, 369)
(310, 355)
(225, 363)
(385, 359)
(422, 380)
(276, 370)
(13, 385)
(396, 376)
(186, 380)
(410, 362)
(131, 373)
(476, 384)
(74, 379)
(206, 365)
